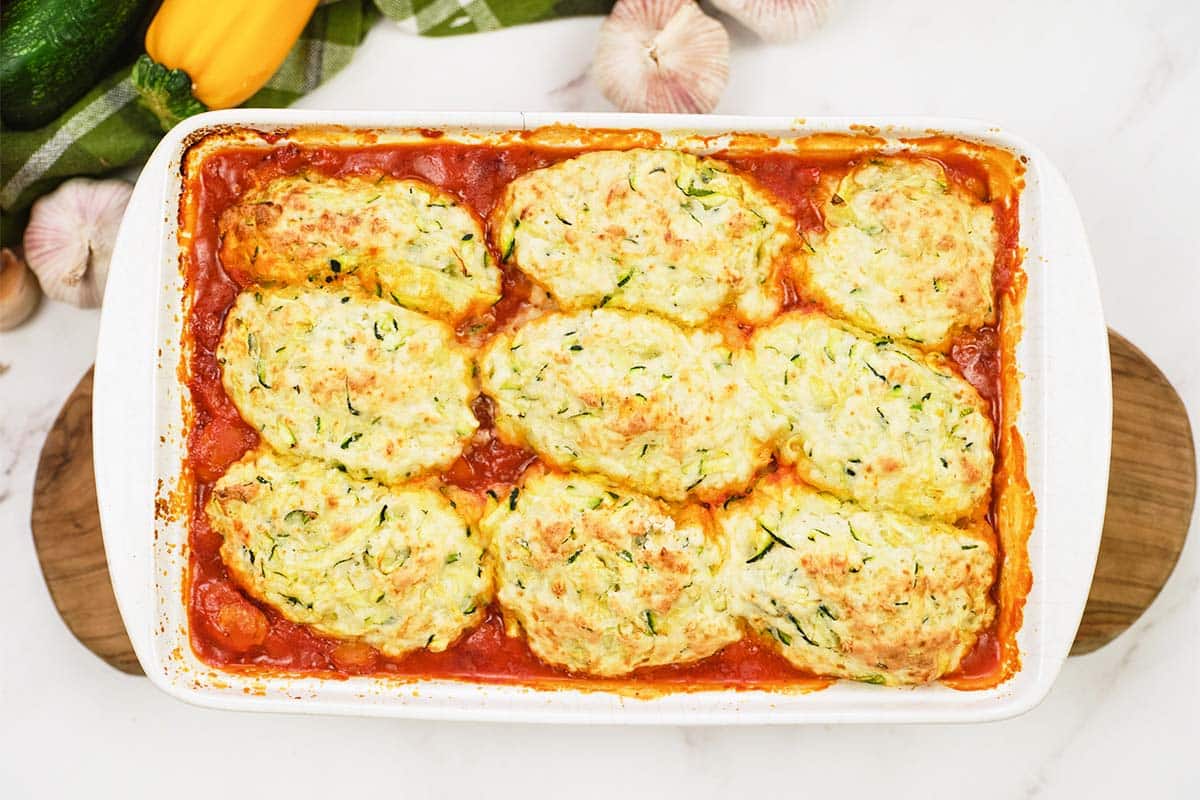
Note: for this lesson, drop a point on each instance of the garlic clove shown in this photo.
(70, 237)
(778, 20)
(663, 56)
(19, 292)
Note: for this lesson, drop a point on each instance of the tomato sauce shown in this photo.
(233, 631)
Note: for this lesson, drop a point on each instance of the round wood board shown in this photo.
(1151, 491)
(66, 532)
(1152, 486)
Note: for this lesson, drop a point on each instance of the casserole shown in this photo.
(1062, 358)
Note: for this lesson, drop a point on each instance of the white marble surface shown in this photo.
(1110, 90)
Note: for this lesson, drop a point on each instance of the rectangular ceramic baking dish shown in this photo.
(139, 421)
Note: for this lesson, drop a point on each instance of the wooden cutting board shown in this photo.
(1152, 487)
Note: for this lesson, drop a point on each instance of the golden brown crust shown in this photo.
(655, 231)
(906, 252)
(1013, 507)
(602, 580)
(396, 567)
(872, 420)
(353, 381)
(664, 410)
(847, 592)
(403, 240)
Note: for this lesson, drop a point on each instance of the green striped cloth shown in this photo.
(108, 128)
(451, 17)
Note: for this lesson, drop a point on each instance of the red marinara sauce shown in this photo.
(233, 631)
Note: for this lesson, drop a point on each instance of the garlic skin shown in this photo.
(662, 56)
(70, 236)
(778, 20)
(19, 291)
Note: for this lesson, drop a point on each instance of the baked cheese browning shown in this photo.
(397, 568)
(357, 382)
(905, 252)
(402, 240)
(603, 580)
(874, 421)
(647, 230)
(845, 592)
(633, 397)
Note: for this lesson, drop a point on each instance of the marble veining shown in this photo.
(1110, 90)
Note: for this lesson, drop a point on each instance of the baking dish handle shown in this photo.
(1077, 397)
(123, 412)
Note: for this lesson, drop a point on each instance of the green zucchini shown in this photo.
(53, 51)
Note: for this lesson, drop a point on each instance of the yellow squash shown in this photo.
(228, 48)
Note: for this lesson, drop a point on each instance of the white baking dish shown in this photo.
(138, 423)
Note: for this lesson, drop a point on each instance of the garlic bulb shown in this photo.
(778, 20)
(662, 55)
(70, 237)
(19, 292)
